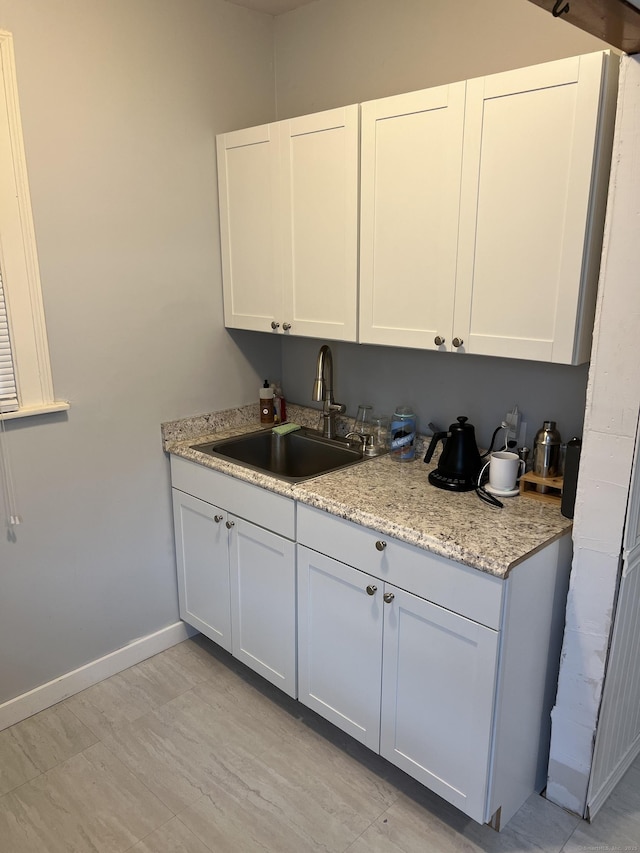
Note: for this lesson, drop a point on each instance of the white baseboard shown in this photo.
(72, 682)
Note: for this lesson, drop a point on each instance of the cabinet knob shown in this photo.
(438, 340)
(457, 342)
(380, 545)
(388, 597)
(286, 326)
(218, 518)
(372, 589)
(230, 524)
(275, 325)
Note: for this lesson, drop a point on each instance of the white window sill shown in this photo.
(44, 409)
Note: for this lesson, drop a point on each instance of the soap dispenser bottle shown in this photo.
(266, 403)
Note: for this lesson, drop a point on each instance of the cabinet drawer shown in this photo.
(466, 591)
(264, 508)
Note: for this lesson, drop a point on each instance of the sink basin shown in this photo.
(295, 456)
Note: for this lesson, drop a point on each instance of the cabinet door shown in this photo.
(320, 232)
(202, 557)
(250, 227)
(340, 644)
(438, 688)
(263, 602)
(410, 190)
(527, 206)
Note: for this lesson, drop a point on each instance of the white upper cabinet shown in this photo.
(410, 189)
(536, 163)
(288, 195)
(482, 212)
(320, 252)
(248, 181)
(482, 209)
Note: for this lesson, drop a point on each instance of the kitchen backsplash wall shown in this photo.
(441, 386)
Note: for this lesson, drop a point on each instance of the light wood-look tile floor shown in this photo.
(189, 752)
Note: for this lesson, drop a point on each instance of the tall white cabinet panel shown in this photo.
(531, 201)
(410, 187)
(340, 644)
(320, 235)
(250, 226)
(438, 690)
(263, 602)
(203, 567)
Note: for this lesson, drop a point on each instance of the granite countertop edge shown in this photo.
(384, 495)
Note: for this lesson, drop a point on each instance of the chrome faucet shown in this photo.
(323, 391)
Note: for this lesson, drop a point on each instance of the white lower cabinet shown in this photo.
(447, 672)
(340, 644)
(407, 678)
(438, 680)
(263, 609)
(237, 579)
(202, 556)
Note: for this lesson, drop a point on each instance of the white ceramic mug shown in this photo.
(504, 469)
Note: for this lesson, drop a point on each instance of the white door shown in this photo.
(263, 602)
(250, 226)
(410, 189)
(203, 567)
(438, 688)
(340, 644)
(617, 740)
(529, 150)
(320, 224)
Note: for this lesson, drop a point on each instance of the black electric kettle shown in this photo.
(459, 463)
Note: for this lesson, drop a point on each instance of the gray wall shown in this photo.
(121, 100)
(337, 52)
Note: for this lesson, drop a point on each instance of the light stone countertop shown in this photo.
(394, 498)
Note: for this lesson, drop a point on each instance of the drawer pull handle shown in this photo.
(438, 340)
(388, 597)
(372, 589)
(286, 326)
(457, 342)
(275, 325)
(230, 524)
(218, 518)
(380, 545)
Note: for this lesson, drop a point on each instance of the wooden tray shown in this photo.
(531, 486)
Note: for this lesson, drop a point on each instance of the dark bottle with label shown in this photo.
(571, 465)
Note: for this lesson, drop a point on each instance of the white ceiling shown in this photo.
(271, 7)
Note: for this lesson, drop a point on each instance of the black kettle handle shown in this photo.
(437, 436)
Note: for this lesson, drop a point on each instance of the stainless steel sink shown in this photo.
(295, 456)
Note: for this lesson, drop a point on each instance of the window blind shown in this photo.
(8, 390)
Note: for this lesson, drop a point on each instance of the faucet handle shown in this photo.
(366, 439)
(359, 435)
